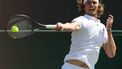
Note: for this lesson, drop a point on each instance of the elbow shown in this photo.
(111, 51)
(112, 55)
(72, 28)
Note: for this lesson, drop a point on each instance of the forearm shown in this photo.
(111, 46)
(68, 26)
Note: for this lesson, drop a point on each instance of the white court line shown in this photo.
(114, 31)
(117, 31)
(30, 31)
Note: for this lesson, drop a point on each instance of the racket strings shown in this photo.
(24, 24)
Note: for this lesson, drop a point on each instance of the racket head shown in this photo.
(26, 26)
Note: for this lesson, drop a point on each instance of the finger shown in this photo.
(110, 16)
(110, 19)
(59, 26)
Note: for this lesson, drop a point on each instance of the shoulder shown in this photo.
(79, 19)
(103, 25)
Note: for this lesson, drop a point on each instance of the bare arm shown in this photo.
(110, 46)
(68, 26)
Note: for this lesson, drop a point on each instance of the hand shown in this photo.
(109, 22)
(59, 26)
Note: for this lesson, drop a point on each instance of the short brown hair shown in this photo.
(81, 7)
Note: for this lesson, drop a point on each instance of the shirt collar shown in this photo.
(91, 17)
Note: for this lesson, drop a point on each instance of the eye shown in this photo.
(94, 2)
(89, 2)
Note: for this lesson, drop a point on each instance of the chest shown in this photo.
(94, 28)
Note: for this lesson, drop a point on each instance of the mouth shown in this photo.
(92, 9)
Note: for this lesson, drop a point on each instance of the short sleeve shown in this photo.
(80, 20)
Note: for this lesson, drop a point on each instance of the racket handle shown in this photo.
(50, 26)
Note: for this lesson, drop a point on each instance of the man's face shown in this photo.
(91, 7)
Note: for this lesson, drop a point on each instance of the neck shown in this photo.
(93, 15)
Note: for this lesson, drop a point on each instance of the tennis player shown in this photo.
(88, 36)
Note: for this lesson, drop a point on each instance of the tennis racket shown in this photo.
(26, 26)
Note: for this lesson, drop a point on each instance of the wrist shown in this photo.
(109, 29)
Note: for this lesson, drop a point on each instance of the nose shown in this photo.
(91, 4)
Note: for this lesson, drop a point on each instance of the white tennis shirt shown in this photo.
(87, 42)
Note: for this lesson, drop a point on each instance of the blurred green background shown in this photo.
(47, 50)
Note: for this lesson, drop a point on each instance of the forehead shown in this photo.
(92, 0)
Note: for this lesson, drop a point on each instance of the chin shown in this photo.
(93, 13)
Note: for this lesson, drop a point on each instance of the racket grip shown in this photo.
(50, 26)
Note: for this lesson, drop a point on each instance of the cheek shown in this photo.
(96, 5)
(86, 7)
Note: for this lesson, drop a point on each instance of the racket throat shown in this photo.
(41, 26)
